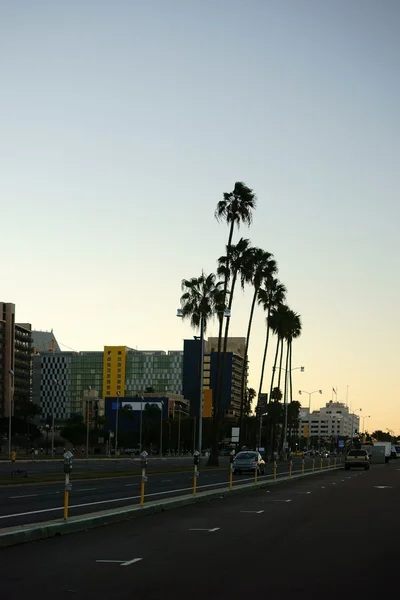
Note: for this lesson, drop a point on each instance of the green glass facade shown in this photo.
(86, 370)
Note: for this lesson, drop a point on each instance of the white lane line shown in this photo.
(129, 484)
(209, 530)
(281, 500)
(257, 512)
(302, 492)
(25, 496)
(86, 490)
(130, 562)
(166, 481)
(110, 561)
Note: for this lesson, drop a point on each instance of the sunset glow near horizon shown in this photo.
(122, 125)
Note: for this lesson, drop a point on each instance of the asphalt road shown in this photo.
(107, 464)
(331, 536)
(34, 503)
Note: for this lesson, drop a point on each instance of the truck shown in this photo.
(388, 449)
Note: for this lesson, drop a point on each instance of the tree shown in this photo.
(291, 329)
(264, 266)
(270, 296)
(251, 394)
(277, 321)
(203, 297)
(381, 436)
(275, 413)
(237, 263)
(27, 411)
(236, 207)
(149, 390)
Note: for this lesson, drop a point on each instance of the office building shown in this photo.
(332, 420)
(15, 360)
(233, 369)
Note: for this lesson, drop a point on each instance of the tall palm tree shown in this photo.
(240, 264)
(292, 329)
(236, 207)
(264, 266)
(203, 297)
(270, 296)
(278, 320)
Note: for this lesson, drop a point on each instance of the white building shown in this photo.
(334, 419)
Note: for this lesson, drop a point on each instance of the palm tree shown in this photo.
(203, 297)
(235, 208)
(277, 321)
(292, 329)
(240, 264)
(271, 296)
(264, 266)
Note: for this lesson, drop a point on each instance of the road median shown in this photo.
(21, 534)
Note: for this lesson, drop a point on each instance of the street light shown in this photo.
(179, 313)
(116, 424)
(87, 421)
(309, 411)
(286, 403)
(52, 419)
(363, 425)
(10, 409)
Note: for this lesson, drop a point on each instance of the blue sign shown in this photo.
(341, 444)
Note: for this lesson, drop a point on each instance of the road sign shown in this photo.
(235, 434)
(341, 444)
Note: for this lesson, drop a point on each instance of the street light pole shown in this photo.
(87, 422)
(116, 424)
(363, 418)
(10, 409)
(161, 431)
(52, 419)
(200, 434)
(309, 412)
(141, 424)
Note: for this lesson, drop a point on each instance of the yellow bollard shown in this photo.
(313, 465)
(231, 477)
(275, 470)
(255, 475)
(302, 467)
(290, 468)
(329, 463)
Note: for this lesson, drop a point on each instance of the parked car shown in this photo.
(248, 461)
(357, 458)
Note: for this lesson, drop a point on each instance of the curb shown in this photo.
(13, 536)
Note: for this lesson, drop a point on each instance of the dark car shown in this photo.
(248, 461)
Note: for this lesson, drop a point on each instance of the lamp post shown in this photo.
(116, 425)
(352, 421)
(52, 418)
(302, 369)
(363, 423)
(179, 313)
(141, 424)
(87, 422)
(309, 411)
(10, 409)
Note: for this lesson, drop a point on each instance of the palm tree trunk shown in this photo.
(213, 459)
(265, 355)
(285, 398)
(242, 394)
(290, 373)
(272, 425)
(280, 365)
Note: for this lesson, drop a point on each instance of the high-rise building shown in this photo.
(232, 375)
(61, 379)
(15, 360)
(331, 421)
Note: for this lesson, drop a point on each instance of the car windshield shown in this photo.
(357, 453)
(247, 455)
(397, 448)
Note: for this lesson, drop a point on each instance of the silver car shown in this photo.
(248, 461)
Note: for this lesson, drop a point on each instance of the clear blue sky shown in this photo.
(123, 122)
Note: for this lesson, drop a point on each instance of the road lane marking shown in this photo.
(86, 490)
(110, 561)
(209, 530)
(382, 487)
(24, 496)
(166, 481)
(257, 512)
(130, 562)
(281, 500)
(129, 484)
(302, 492)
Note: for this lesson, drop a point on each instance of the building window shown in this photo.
(118, 387)
(108, 370)
(119, 370)
(119, 351)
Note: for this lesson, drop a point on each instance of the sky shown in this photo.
(123, 122)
